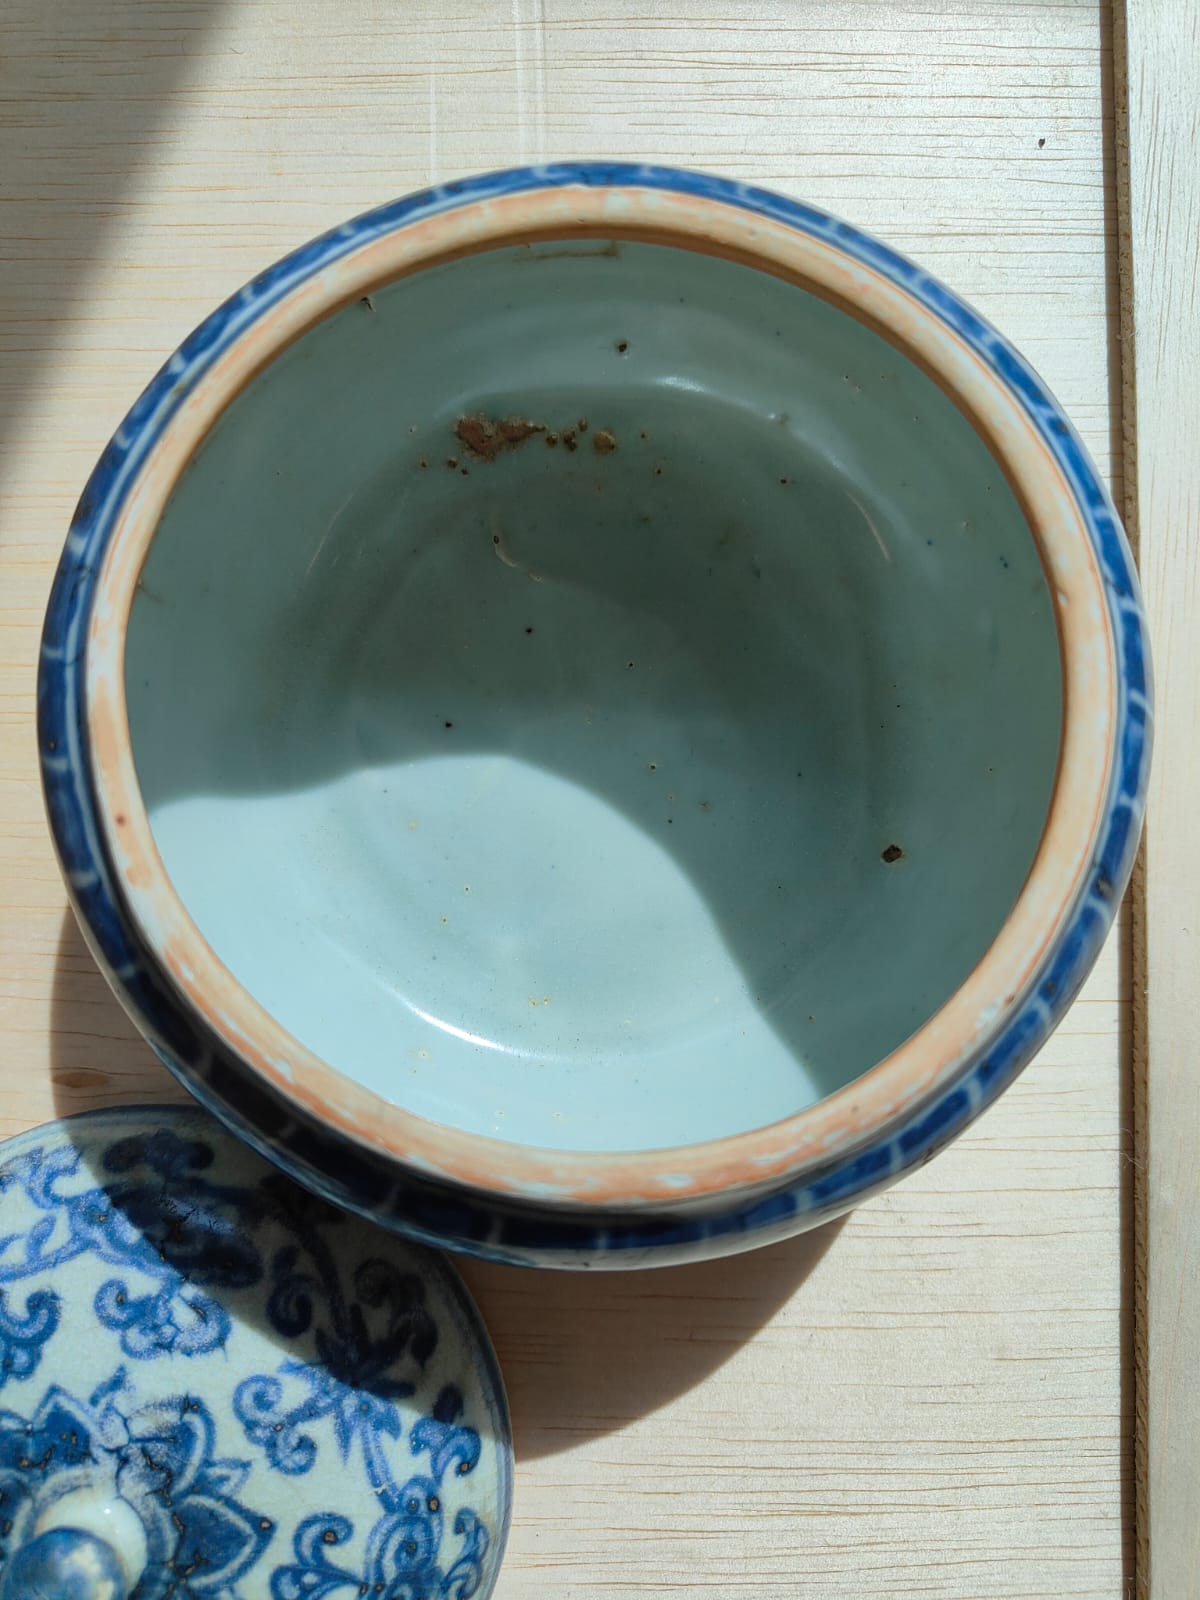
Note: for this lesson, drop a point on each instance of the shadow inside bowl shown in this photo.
(536, 797)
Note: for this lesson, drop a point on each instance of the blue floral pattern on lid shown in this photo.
(214, 1385)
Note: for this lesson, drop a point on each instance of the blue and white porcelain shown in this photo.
(214, 1385)
(595, 715)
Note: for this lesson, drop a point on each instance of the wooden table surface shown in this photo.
(923, 1400)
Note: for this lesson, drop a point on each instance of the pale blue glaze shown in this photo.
(522, 1229)
(577, 838)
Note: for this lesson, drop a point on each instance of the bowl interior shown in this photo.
(595, 694)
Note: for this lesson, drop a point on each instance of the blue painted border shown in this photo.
(343, 1172)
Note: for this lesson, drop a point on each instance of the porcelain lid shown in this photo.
(213, 1384)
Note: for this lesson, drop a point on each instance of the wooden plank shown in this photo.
(927, 1400)
(1158, 81)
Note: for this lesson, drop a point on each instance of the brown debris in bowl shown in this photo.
(603, 442)
(486, 437)
(892, 853)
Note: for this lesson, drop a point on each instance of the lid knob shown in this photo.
(64, 1564)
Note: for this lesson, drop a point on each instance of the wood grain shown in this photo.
(1159, 72)
(927, 1400)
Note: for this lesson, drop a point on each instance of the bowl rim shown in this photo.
(1015, 994)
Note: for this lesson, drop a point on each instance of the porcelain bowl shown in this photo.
(596, 715)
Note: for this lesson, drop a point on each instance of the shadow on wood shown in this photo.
(101, 81)
(97, 1056)
(588, 1354)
